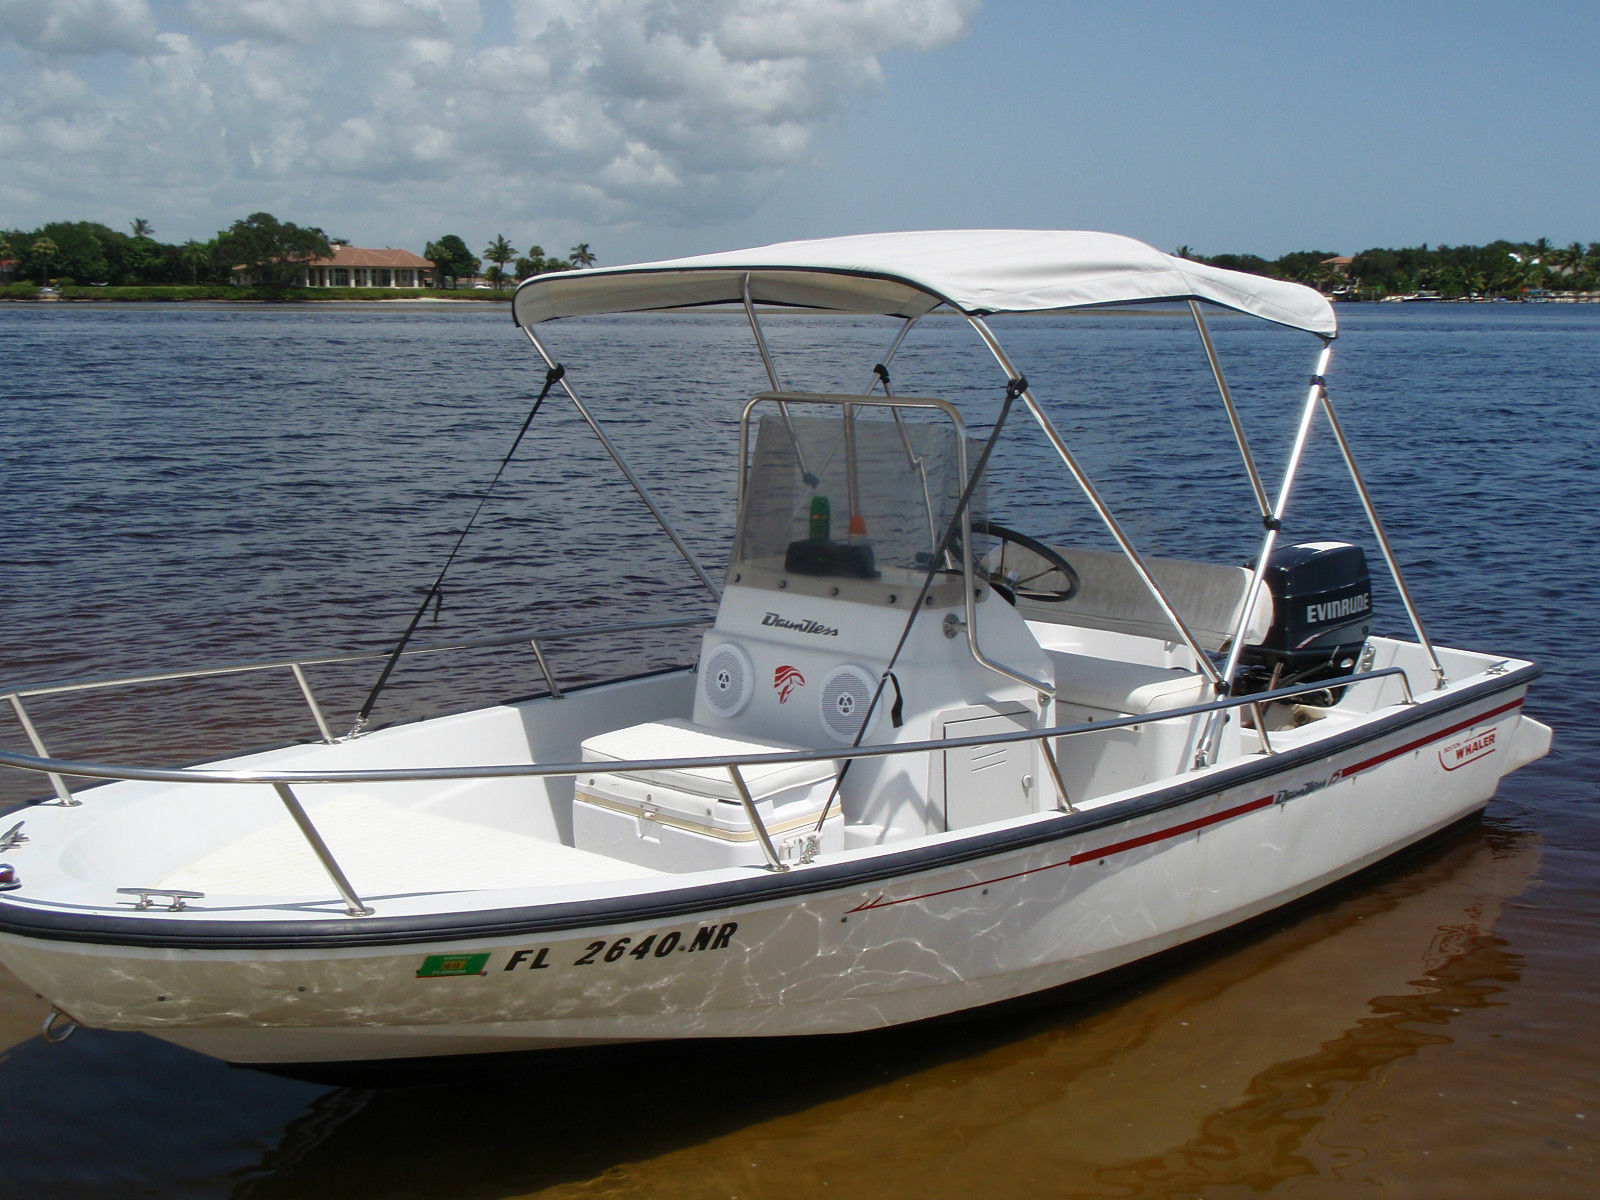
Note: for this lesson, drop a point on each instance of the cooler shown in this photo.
(693, 819)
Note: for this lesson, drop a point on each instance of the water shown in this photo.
(199, 484)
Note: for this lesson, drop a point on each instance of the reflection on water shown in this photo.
(1273, 1133)
(1214, 1075)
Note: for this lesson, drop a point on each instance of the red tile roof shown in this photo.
(356, 256)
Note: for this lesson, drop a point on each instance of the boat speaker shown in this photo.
(846, 692)
(727, 680)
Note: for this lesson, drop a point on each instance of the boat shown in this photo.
(922, 764)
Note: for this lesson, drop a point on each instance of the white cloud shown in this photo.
(783, 28)
(303, 22)
(80, 26)
(352, 112)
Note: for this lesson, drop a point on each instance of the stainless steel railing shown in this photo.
(283, 781)
(534, 640)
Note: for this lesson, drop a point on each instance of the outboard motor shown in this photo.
(1321, 615)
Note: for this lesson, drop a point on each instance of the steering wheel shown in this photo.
(1022, 567)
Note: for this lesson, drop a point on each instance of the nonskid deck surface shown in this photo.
(387, 849)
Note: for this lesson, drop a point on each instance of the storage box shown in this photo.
(692, 819)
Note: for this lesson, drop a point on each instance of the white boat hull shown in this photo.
(889, 944)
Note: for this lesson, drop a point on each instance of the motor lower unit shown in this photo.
(1321, 616)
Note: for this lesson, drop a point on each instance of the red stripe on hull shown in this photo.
(1173, 831)
(1349, 772)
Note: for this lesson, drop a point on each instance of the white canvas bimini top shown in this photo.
(976, 271)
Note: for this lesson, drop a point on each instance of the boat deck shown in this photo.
(386, 849)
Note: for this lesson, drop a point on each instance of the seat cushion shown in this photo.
(1124, 687)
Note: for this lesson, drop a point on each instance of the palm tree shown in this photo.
(1512, 277)
(44, 250)
(1570, 260)
(581, 256)
(194, 255)
(141, 227)
(500, 252)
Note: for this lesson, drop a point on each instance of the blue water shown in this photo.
(197, 484)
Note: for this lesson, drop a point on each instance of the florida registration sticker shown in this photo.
(437, 966)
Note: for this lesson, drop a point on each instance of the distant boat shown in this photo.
(1423, 296)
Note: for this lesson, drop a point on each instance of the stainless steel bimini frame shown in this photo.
(1272, 516)
(627, 471)
(1202, 660)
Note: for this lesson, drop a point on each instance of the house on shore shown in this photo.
(355, 267)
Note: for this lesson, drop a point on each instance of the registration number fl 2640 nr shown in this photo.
(651, 945)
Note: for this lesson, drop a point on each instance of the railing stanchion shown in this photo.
(311, 702)
(1260, 719)
(550, 680)
(1055, 773)
(756, 822)
(63, 792)
(353, 902)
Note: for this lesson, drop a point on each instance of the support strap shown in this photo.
(434, 596)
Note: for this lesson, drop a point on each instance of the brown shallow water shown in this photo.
(1429, 1030)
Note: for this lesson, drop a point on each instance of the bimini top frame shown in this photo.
(979, 273)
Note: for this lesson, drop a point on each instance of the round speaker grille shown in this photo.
(846, 692)
(727, 680)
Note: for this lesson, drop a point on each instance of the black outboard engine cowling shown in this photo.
(1321, 615)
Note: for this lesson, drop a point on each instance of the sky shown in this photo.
(654, 128)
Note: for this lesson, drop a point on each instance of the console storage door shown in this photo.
(986, 782)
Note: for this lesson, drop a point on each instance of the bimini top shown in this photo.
(976, 271)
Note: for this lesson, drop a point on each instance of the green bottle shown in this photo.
(820, 519)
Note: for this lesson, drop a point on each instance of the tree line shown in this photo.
(86, 252)
(1500, 269)
(452, 259)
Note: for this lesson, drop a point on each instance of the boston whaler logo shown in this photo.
(802, 626)
(786, 679)
(1469, 749)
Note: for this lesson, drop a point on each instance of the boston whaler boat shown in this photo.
(923, 763)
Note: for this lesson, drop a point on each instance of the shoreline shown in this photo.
(225, 295)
